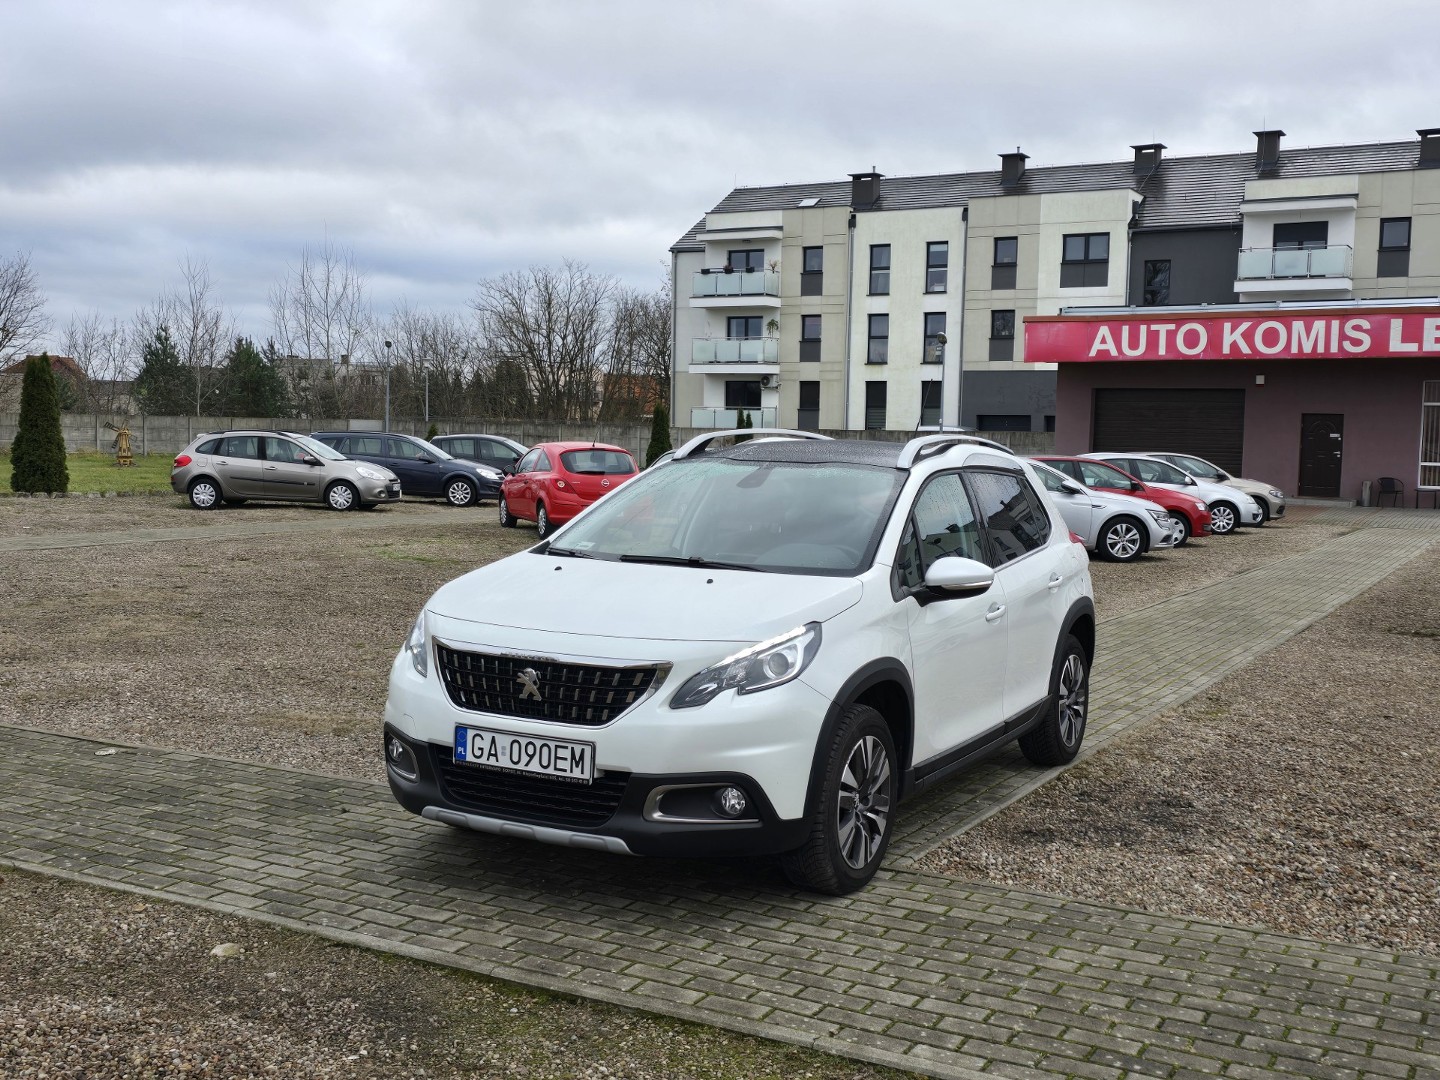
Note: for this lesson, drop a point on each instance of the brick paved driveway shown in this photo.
(921, 972)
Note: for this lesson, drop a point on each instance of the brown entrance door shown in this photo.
(1321, 439)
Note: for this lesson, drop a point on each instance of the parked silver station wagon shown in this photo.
(235, 466)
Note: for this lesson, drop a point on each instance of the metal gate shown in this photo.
(1207, 423)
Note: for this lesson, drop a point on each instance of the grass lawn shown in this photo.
(98, 472)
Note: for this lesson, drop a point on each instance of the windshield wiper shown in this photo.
(698, 561)
(571, 553)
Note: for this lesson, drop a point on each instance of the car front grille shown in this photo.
(522, 797)
(532, 689)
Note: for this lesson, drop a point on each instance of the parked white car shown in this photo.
(1270, 498)
(1120, 528)
(760, 649)
(1229, 507)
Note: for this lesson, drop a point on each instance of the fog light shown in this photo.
(399, 757)
(730, 802)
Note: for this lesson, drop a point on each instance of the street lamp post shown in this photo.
(388, 343)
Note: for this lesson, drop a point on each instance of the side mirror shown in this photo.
(309, 459)
(425, 459)
(959, 575)
(1071, 488)
(508, 470)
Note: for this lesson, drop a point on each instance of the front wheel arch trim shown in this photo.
(877, 672)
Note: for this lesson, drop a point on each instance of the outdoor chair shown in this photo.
(1389, 485)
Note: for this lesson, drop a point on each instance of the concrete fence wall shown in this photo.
(171, 434)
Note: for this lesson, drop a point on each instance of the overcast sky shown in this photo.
(448, 140)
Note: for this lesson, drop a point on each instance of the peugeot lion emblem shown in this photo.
(530, 681)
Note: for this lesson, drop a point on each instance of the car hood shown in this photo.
(589, 598)
(1251, 487)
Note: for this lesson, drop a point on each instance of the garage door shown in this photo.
(1206, 423)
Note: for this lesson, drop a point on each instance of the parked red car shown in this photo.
(1191, 513)
(556, 480)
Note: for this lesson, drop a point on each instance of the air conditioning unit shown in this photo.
(769, 382)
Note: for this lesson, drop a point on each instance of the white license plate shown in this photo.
(574, 761)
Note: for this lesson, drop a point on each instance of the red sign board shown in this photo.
(1347, 334)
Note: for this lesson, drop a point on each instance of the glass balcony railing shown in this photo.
(1265, 264)
(761, 350)
(728, 418)
(736, 283)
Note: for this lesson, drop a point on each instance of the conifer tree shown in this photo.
(37, 457)
(659, 434)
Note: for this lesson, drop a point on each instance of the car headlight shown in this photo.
(1276, 493)
(1161, 518)
(761, 666)
(370, 474)
(415, 645)
(491, 474)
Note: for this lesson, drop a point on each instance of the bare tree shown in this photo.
(23, 322)
(438, 352)
(554, 327)
(322, 318)
(638, 371)
(199, 327)
(102, 350)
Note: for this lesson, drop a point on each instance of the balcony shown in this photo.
(735, 288)
(715, 419)
(1315, 269)
(756, 350)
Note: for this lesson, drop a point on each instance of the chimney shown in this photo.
(1012, 167)
(1267, 150)
(1429, 147)
(1147, 157)
(864, 189)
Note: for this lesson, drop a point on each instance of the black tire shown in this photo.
(1224, 517)
(204, 493)
(1183, 524)
(1122, 540)
(1264, 510)
(507, 519)
(342, 496)
(543, 525)
(1057, 738)
(850, 823)
(460, 492)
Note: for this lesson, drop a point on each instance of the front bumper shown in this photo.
(617, 813)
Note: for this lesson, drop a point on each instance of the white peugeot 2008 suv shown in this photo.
(760, 649)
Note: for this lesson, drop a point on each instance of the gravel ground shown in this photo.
(106, 984)
(84, 513)
(1297, 794)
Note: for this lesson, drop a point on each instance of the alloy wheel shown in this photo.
(1074, 694)
(863, 807)
(1122, 540)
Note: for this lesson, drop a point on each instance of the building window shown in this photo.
(1003, 421)
(1002, 335)
(1393, 259)
(930, 403)
(743, 326)
(742, 393)
(1007, 254)
(1430, 434)
(808, 418)
(810, 338)
(937, 265)
(1085, 260)
(1301, 234)
(812, 274)
(875, 406)
(1157, 282)
(879, 269)
(749, 260)
(934, 348)
(879, 350)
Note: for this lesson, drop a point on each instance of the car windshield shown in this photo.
(1098, 474)
(433, 450)
(1161, 472)
(595, 462)
(782, 517)
(1198, 467)
(319, 449)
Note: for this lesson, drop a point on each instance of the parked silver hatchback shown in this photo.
(235, 466)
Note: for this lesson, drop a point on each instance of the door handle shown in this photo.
(995, 612)
(271, 468)
(1055, 582)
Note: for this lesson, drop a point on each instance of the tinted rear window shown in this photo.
(597, 462)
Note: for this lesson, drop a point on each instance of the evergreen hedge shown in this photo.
(659, 434)
(37, 457)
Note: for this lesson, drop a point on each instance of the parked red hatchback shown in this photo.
(1187, 511)
(556, 480)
